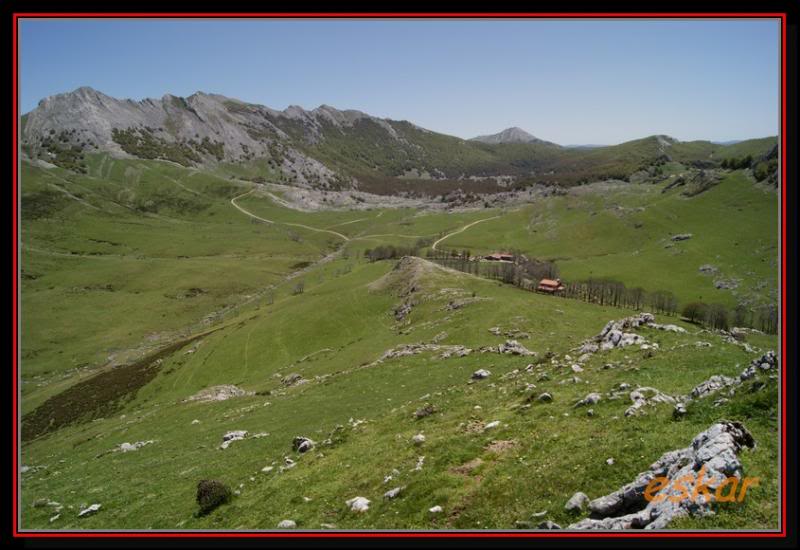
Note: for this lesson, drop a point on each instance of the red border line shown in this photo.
(396, 15)
(15, 322)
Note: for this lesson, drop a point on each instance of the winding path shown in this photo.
(233, 202)
(433, 247)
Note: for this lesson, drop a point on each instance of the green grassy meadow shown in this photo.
(135, 255)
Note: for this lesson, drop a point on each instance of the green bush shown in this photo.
(211, 494)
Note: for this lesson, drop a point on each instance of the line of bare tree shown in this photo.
(526, 273)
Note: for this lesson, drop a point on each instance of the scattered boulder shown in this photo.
(643, 396)
(708, 269)
(302, 444)
(491, 425)
(668, 328)
(293, 379)
(679, 411)
(392, 493)
(591, 399)
(681, 237)
(549, 525)
(435, 510)
(128, 447)
(89, 510)
(514, 348)
(287, 524)
(545, 398)
(358, 504)
(577, 368)
(418, 439)
(765, 363)
(613, 334)
(712, 452)
(230, 437)
(211, 494)
(712, 385)
(219, 393)
(576, 502)
(426, 410)
(726, 284)
(480, 374)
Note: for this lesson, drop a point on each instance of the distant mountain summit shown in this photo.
(509, 135)
(329, 148)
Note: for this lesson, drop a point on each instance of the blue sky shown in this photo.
(575, 81)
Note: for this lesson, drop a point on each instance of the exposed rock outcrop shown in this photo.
(710, 461)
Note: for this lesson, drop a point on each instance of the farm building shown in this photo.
(549, 285)
(500, 257)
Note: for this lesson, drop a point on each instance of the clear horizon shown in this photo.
(571, 82)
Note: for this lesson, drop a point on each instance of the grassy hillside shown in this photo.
(133, 256)
(624, 232)
(550, 443)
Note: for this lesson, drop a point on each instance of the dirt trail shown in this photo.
(248, 213)
(462, 230)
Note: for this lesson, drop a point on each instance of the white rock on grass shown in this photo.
(230, 437)
(89, 510)
(267, 469)
(358, 504)
(287, 524)
(491, 425)
(418, 439)
(392, 493)
(435, 510)
(480, 374)
(128, 447)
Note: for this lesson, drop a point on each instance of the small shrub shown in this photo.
(210, 494)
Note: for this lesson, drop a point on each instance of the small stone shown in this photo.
(302, 444)
(435, 510)
(195, 421)
(679, 410)
(392, 493)
(89, 511)
(610, 461)
(358, 504)
(287, 524)
(590, 412)
(491, 425)
(480, 374)
(548, 525)
(267, 469)
(545, 398)
(418, 439)
(577, 368)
